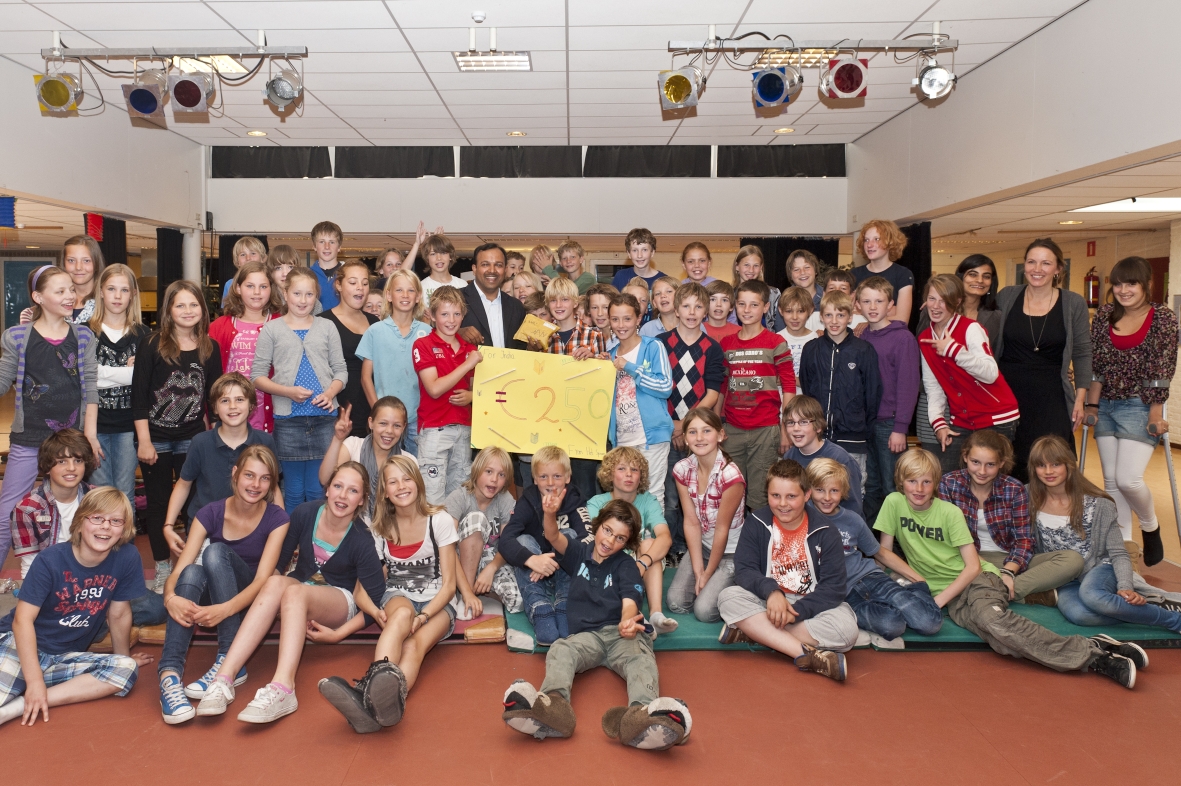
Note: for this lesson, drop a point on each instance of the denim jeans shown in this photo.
(221, 575)
(550, 591)
(118, 468)
(672, 501)
(1093, 601)
(1124, 418)
(886, 608)
(410, 438)
(146, 610)
(301, 482)
(879, 476)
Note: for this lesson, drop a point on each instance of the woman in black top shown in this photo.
(352, 285)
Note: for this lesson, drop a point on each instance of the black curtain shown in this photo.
(114, 242)
(225, 255)
(532, 161)
(395, 162)
(776, 250)
(169, 267)
(917, 258)
(781, 160)
(646, 161)
(271, 162)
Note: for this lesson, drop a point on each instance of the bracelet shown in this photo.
(1090, 406)
(648, 564)
(1009, 573)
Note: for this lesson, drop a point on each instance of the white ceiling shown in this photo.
(382, 73)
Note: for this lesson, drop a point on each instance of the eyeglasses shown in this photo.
(620, 539)
(790, 423)
(116, 523)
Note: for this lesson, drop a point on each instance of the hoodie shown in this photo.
(527, 518)
(900, 369)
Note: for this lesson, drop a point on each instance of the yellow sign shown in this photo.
(526, 400)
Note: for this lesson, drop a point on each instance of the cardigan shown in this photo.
(1105, 538)
(1144, 372)
(279, 349)
(12, 367)
(1078, 338)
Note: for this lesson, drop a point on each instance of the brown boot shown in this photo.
(658, 726)
(830, 664)
(540, 715)
(1044, 598)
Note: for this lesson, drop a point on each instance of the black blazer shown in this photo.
(510, 308)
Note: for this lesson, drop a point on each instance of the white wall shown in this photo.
(1089, 90)
(100, 162)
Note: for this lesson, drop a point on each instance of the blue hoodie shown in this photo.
(654, 384)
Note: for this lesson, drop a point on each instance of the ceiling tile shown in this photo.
(137, 16)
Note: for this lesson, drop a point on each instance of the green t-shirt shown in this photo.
(930, 538)
(583, 282)
(651, 513)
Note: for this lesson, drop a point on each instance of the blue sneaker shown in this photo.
(196, 690)
(173, 704)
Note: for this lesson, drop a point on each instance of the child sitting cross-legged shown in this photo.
(624, 473)
(789, 579)
(606, 629)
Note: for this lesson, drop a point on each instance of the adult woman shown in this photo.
(1135, 355)
(803, 269)
(1045, 337)
(214, 584)
(882, 243)
(352, 286)
(316, 598)
(251, 301)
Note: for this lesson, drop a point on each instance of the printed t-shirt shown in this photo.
(756, 370)
(930, 538)
(416, 575)
(597, 589)
(629, 429)
(432, 351)
(241, 358)
(789, 564)
(796, 345)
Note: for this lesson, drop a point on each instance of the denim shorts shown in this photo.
(449, 609)
(304, 437)
(1124, 418)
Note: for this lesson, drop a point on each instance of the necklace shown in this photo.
(1037, 340)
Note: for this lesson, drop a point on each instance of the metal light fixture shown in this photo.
(190, 92)
(934, 81)
(776, 86)
(516, 133)
(284, 89)
(845, 77)
(57, 93)
(145, 96)
(256, 133)
(679, 88)
(785, 130)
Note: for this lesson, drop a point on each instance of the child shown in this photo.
(514, 263)
(696, 260)
(211, 454)
(82, 258)
(570, 257)
(598, 309)
(939, 547)
(247, 249)
(795, 306)
(416, 543)
(280, 261)
(605, 629)
(482, 506)
(373, 303)
(638, 288)
(326, 239)
(392, 260)
(250, 303)
(664, 290)
(233, 548)
(522, 541)
(541, 264)
(624, 473)
(838, 281)
(643, 384)
(712, 493)
(71, 591)
(52, 365)
(175, 368)
(314, 602)
(758, 365)
(803, 271)
(439, 254)
(119, 328)
(900, 375)
(883, 606)
(387, 426)
(445, 364)
(525, 284)
(789, 580)
(841, 372)
(721, 303)
(43, 517)
(882, 243)
(535, 304)
(392, 340)
(305, 355)
(640, 245)
(749, 266)
(804, 427)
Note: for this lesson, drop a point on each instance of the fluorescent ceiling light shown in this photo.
(221, 63)
(493, 61)
(1136, 205)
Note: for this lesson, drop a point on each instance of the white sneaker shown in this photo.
(218, 696)
(270, 703)
(163, 571)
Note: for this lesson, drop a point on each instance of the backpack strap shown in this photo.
(430, 528)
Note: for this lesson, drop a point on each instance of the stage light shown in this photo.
(845, 77)
(190, 92)
(145, 96)
(284, 89)
(680, 88)
(57, 93)
(934, 81)
(776, 86)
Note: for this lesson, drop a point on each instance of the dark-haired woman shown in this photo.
(1135, 355)
(1045, 344)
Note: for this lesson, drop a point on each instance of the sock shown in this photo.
(281, 688)
(544, 624)
(12, 710)
(563, 625)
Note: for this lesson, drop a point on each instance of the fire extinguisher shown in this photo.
(1091, 287)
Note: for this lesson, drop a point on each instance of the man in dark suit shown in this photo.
(493, 317)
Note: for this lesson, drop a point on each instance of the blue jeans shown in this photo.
(879, 477)
(146, 610)
(672, 502)
(884, 607)
(410, 438)
(1093, 601)
(221, 575)
(301, 482)
(550, 591)
(118, 468)
(1124, 418)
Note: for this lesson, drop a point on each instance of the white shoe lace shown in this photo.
(174, 693)
(266, 696)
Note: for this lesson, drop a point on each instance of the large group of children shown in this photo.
(315, 440)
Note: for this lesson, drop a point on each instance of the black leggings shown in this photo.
(158, 480)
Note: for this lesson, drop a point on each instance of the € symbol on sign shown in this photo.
(534, 437)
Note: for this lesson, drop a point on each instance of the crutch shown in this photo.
(1169, 463)
(1082, 456)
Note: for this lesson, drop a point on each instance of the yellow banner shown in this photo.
(526, 400)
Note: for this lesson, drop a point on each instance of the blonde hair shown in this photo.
(235, 306)
(481, 462)
(624, 455)
(551, 454)
(916, 463)
(877, 284)
(302, 272)
(949, 288)
(104, 500)
(560, 287)
(796, 296)
(406, 273)
(570, 245)
(531, 278)
(540, 258)
(263, 455)
(838, 300)
(134, 311)
(248, 243)
(743, 253)
(822, 470)
(385, 516)
(891, 237)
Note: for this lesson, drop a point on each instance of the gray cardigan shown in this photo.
(1105, 540)
(12, 368)
(279, 348)
(1078, 338)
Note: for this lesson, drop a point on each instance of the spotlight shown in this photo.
(190, 92)
(776, 86)
(934, 81)
(284, 89)
(57, 93)
(145, 97)
(845, 77)
(680, 88)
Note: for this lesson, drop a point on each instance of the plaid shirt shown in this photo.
(1006, 510)
(36, 521)
(723, 475)
(583, 336)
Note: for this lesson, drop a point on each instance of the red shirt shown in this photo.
(431, 351)
(756, 369)
(719, 333)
